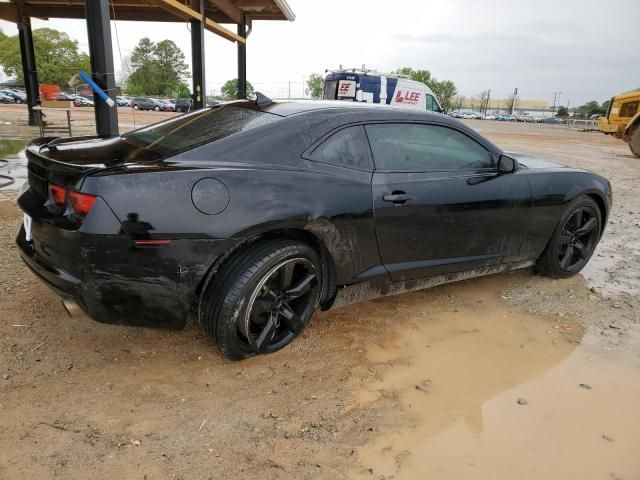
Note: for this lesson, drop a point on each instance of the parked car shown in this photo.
(122, 101)
(504, 117)
(210, 212)
(6, 98)
(146, 103)
(490, 116)
(167, 105)
(184, 104)
(83, 101)
(65, 97)
(554, 120)
(468, 115)
(18, 97)
(526, 118)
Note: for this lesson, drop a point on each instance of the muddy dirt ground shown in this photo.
(511, 376)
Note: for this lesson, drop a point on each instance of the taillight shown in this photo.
(81, 203)
(58, 195)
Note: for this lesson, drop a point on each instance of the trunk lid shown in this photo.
(67, 161)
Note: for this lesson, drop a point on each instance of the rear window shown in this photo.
(185, 132)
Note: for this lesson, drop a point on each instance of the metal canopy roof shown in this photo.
(215, 11)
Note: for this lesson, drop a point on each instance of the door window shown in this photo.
(420, 148)
(347, 148)
(432, 105)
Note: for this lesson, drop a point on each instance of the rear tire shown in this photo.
(136, 107)
(573, 241)
(634, 141)
(262, 298)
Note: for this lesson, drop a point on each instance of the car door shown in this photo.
(440, 204)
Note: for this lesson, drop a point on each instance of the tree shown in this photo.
(315, 85)
(57, 56)
(230, 89)
(445, 90)
(590, 108)
(157, 69)
(181, 91)
(484, 101)
(562, 112)
(458, 102)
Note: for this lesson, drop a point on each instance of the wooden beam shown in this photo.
(8, 12)
(228, 8)
(187, 13)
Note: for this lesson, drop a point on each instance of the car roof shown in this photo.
(355, 110)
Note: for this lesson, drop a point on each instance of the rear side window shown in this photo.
(185, 132)
(420, 148)
(347, 148)
(629, 109)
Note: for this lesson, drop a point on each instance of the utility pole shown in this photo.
(486, 105)
(556, 98)
(513, 101)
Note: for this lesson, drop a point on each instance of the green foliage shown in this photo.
(181, 91)
(315, 85)
(445, 90)
(230, 90)
(57, 56)
(158, 69)
(562, 112)
(591, 108)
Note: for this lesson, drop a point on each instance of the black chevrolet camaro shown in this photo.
(253, 215)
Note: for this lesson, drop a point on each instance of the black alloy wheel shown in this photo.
(262, 298)
(574, 241)
(578, 239)
(278, 303)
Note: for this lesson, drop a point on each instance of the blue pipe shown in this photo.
(94, 86)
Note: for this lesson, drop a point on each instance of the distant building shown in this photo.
(503, 104)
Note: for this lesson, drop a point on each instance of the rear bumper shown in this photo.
(61, 282)
(117, 283)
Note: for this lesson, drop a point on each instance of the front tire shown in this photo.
(262, 298)
(574, 240)
(634, 141)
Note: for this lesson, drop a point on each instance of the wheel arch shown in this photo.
(599, 199)
(298, 234)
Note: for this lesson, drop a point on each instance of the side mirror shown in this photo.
(507, 164)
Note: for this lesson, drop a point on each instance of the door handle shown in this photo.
(398, 198)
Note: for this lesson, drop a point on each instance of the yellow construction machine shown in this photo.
(623, 120)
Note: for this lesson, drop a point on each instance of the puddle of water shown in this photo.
(460, 366)
(13, 164)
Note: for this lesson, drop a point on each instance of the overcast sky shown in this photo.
(587, 49)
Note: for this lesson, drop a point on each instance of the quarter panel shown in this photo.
(331, 202)
(553, 191)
